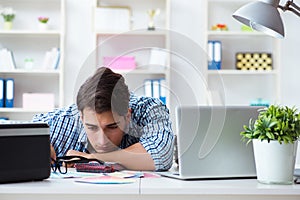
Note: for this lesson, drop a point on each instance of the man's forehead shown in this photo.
(103, 119)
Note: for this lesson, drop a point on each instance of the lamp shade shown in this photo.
(261, 16)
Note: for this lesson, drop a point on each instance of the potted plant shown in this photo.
(8, 15)
(274, 135)
(43, 22)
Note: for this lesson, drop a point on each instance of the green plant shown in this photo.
(43, 19)
(280, 123)
(8, 14)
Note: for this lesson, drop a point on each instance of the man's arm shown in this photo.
(134, 157)
(65, 130)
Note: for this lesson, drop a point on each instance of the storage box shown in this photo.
(38, 101)
(253, 61)
(120, 63)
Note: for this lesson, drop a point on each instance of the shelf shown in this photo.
(240, 86)
(142, 71)
(32, 72)
(26, 40)
(137, 41)
(229, 1)
(240, 72)
(22, 110)
(236, 33)
(29, 32)
(133, 32)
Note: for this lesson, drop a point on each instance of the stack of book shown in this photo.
(51, 59)
(7, 61)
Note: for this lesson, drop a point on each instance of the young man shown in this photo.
(111, 124)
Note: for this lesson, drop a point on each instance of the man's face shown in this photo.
(104, 131)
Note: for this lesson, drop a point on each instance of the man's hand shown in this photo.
(52, 153)
(78, 153)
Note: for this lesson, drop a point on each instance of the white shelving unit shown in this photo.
(236, 87)
(26, 40)
(135, 41)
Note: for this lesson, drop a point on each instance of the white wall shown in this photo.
(290, 63)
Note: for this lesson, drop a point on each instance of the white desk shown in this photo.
(56, 189)
(149, 188)
(217, 189)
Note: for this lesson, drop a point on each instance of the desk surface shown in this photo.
(68, 186)
(149, 188)
(215, 187)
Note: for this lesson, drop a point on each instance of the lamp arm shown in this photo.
(291, 6)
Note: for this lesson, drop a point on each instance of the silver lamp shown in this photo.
(263, 16)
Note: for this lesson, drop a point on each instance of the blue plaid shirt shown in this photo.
(150, 125)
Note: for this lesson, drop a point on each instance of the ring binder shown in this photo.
(1, 92)
(9, 93)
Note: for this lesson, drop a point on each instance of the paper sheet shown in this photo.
(106, 180)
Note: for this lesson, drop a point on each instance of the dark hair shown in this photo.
(104, 91)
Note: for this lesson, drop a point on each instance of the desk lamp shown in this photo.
(263, 16)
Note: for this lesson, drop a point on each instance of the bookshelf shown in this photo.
(28, 42)
(135, 40)
(239, 87)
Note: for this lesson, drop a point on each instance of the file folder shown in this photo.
(163, 88)
(1, 92)
(9, 93)
(148, 87)
(210, 49)
(156, 88)
(217, 54)
(214, 54)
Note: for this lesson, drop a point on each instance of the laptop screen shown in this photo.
(209, 141)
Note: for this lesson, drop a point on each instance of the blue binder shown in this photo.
(1, 92)
(9, 92)
(214, 54)
(162, 92)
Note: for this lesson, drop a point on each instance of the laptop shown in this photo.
(25, 152)
(209, 143)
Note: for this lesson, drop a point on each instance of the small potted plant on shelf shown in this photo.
(43, 22)
(8, 15)
(275, 135)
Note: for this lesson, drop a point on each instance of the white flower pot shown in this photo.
(7, 25)
(274, 162)
(43, 26)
